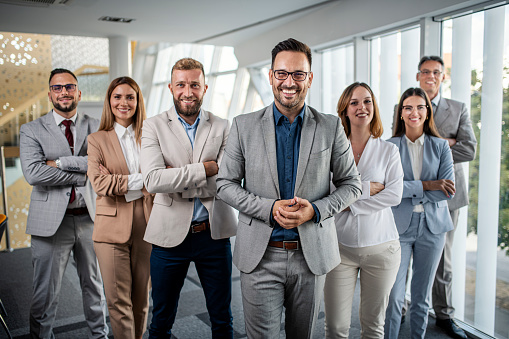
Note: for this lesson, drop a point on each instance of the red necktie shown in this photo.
(70, 140)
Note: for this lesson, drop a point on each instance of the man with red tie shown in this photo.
(53, 152)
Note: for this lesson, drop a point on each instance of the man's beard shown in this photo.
(279, 96)
(65, 109)
(187, 111)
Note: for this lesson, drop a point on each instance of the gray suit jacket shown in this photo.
(165, 143)
(453, 121)
(436, 164)
(248, 181)
(42, 140)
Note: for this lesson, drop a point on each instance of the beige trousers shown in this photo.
(377, 266)
(126, 274)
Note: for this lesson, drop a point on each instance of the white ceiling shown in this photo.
(206, 21)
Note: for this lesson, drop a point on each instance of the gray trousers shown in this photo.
(442, 287)
(49, 259)
(281, 279)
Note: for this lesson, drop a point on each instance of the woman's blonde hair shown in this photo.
(375, 127)
(108, 119)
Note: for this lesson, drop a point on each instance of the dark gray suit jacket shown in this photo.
(248, 181)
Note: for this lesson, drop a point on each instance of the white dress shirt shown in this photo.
(415, 152)
(79, 201)
(131, 151)
(370, 221)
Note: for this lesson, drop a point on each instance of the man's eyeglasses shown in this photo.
(58, 88)
(296, 76)
(435, 73)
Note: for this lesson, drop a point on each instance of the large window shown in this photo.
(337, 74)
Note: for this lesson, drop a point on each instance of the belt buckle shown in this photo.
(192, 229)
(292, 243)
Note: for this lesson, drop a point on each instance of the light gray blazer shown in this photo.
(248, 181)
(436, 164)
(453, 121)
(164, 142)
(42, 140)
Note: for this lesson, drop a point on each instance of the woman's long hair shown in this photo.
(108, 119)
(375, 127)
(429, 123)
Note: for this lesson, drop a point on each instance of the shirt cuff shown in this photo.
(134, 182)
(317, 214)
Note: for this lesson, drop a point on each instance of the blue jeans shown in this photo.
(168, 270)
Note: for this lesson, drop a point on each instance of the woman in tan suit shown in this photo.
(123, 208)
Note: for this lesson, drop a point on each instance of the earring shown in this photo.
(401, 117)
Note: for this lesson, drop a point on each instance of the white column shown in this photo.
(489, 170)
(361, 59)
(388, 81)
(430, 37)
(460, 90)
(239, 95)
(120, 56)
(409, 58)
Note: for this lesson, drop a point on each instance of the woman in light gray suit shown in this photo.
(422, 218)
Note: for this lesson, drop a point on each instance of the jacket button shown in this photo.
(185, 188)
(414, 195)
(190, 199)
(420, 202)
(68, 193)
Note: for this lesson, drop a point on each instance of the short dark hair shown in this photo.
(291, 45)
(187, 64)
(60, 71)
(430, 58)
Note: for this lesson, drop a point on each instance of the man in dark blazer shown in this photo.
(53, 152)
(276, 172)
(452, 120)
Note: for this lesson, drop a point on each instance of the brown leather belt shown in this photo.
(200, 227)
(286, 245)
(76, 211)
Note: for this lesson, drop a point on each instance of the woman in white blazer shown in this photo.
(367, 234)
(422, 218)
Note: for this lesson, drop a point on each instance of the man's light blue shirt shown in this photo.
(200, 213)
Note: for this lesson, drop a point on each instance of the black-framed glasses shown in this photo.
(296, 76)
(58, 88)
(435, 73)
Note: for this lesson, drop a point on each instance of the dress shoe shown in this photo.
(451, 328)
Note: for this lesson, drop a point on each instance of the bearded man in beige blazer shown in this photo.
(181, 150)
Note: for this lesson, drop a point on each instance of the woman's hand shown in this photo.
(375, 187)
(444, 185)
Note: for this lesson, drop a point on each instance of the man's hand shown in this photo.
(444, 185)
(288, 218)
(103, 170)
(211, 168)
(287, 205)
(375, 187)
(451, 141)
(51, 163)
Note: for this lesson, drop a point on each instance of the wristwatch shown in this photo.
(57, 162)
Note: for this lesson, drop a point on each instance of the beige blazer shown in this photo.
(165, 143)
(113, 216)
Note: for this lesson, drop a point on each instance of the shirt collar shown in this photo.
(121, 130)
(59, 118)
(186, 125)
(418, 142)
(278, 117)
(436, 99)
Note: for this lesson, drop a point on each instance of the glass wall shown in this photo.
(337, 74)
(476, 53)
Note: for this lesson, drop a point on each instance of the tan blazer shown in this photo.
(164, 143)
(113, 216)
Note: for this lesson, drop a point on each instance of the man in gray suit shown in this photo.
(276, 172)
(453, 122)
(53, 152)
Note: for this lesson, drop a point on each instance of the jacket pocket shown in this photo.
(244, 218)
(322, 153)
(106, 210)
(163, 199)
(39, 195)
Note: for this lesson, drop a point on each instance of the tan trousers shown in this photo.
(126, 274)
(378, 266)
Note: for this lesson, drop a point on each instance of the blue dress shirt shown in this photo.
(200, 213)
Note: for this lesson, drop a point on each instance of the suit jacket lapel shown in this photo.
(405, 159)
(179, 132)
(269, 138)
(112, 135)
(202, 133)
(81, 133)
(427, 159)
(306, 141)
(441, 113)
(54, 129)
